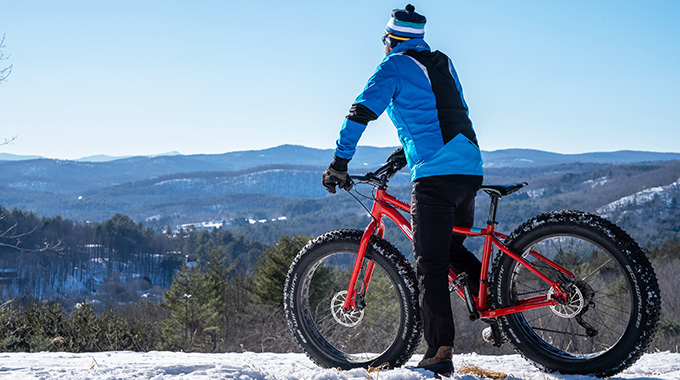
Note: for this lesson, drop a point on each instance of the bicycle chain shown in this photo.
(580, 322)
(535, 291)
(561, 332)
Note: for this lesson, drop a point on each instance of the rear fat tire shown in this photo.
(324, 347)
(631, 263)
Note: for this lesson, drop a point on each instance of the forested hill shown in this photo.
(266, 193)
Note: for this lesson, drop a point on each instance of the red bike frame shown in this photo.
(386, 205)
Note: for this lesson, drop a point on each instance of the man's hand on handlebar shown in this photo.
(398, 158)
(336, 174)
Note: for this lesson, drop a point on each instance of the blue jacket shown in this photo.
(422, 95)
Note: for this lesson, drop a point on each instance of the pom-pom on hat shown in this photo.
(406, 23)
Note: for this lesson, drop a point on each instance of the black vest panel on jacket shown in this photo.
(452, 113)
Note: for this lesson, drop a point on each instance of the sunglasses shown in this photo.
(391, 40)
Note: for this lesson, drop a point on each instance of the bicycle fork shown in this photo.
(354, 300)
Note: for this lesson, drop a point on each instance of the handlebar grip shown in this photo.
(389, 168)
(383, 169)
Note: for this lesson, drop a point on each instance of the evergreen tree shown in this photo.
(11, 330)
(83, 329)
(216, 280)
(271, 269)
(194, 306)
(44, 324)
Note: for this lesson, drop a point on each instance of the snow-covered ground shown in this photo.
(252, 366)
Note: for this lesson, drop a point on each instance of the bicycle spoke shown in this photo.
(548, 313)
(597, 269)
(602, 322)
(611, 315)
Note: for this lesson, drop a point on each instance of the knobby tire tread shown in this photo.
(399, 264)
(644, 274)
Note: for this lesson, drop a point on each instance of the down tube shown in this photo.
(398, 219)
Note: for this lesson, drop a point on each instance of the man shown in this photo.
(423, 97)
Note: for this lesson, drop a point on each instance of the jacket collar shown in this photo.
(417, 44)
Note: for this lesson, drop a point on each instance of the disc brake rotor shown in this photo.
(348, 319)
(573, 306)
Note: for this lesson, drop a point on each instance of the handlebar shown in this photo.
(380, 176)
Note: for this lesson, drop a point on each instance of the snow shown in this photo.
(182, 182)
(641, 197)
(263, 366)
(253, 221)
(597, 182)
(536, 193)
(203, 225)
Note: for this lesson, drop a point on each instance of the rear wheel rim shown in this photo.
(608, 311)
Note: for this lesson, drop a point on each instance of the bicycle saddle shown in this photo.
(503, 190)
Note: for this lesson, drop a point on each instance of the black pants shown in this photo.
(437, 204)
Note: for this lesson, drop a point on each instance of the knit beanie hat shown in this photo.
(406, 23)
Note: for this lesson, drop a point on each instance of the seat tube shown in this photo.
(486, 254)
(484, 275)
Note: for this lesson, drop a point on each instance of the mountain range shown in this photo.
(503, 157)
(64, 176)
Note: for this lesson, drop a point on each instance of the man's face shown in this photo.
(385, 42)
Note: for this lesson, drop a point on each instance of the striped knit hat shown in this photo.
(406, 23)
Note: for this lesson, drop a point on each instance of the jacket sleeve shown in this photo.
(370, 104)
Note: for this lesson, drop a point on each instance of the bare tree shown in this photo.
(8, 141)
(4, 72)
(12, 238)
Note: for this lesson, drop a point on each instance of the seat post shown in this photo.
(493, 208)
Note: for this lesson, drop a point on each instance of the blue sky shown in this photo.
(147, 77)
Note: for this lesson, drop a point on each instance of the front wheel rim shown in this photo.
(359, 338)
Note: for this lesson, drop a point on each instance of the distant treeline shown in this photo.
(210, 307)
(114, 261)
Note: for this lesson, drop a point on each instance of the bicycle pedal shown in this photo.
(493, 335)
(473, 313)
(460, 280)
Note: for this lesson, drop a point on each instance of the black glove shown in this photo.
(336, 174)
(398, 158)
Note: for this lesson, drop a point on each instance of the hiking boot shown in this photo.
(441, 363)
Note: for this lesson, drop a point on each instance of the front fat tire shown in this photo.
(315, 278)
(636, 285)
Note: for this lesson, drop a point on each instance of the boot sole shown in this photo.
(441, 368)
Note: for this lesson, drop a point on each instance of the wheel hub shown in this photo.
(349, 318)
(572, 307)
